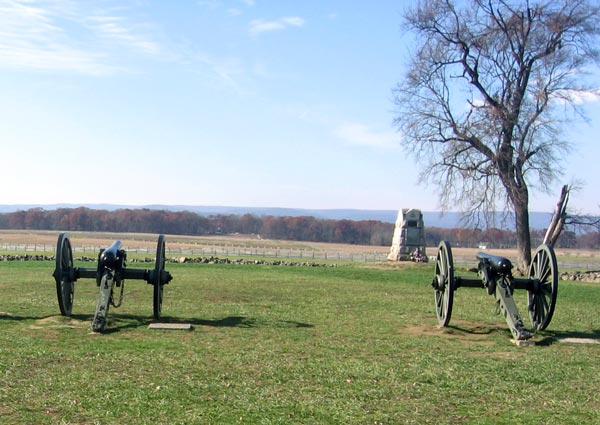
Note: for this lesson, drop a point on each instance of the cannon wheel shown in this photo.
(64, 274)
(542, 293)
(159, 270)
(443, 283)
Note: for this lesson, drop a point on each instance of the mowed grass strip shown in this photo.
(280, 345)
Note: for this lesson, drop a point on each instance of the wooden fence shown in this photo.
(218, 251)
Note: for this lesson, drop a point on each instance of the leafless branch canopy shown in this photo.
(487, 94)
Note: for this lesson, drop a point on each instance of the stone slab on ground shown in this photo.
(580, 340)
(171, 326)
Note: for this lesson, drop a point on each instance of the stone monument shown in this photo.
(408, 242)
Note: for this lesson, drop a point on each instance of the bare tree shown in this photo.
(487, 94)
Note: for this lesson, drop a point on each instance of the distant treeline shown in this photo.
(365, 232)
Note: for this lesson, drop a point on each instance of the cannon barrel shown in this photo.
(499, 264)
(110, 256)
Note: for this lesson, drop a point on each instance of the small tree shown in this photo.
(488, 90)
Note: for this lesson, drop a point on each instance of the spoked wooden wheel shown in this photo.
(443, 283)
(159, 276)
(541, 294)
(64, 274)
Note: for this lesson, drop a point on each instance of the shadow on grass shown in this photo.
(237, 322)
(554, 337)
(8, 316)
(11, 317)
(479, 329)
(121, 322)
(542, 338)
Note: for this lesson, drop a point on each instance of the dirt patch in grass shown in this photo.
(461, 329)
(59, 322)
(469, 334)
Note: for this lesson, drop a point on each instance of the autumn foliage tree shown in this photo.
(363, 232)
(489, 88)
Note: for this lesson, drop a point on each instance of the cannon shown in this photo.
(495, 275)
(110, 273)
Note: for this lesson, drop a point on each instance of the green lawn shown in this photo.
(283, 345)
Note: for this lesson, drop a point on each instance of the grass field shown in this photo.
(281, 345)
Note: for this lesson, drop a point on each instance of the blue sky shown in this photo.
(238, 103)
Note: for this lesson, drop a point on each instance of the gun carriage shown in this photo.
(495, 275)
(110, 273)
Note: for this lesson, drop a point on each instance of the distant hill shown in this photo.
(538, 220)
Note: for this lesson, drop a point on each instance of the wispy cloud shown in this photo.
(30, 38)
(60, 36)
(578, 97)
(117, 29)
(258, 26)
(361, 135)
(573, 97)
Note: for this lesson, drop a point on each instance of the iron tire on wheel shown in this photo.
(443, 283)
(64, 275)
(541, 295)
(159, 271)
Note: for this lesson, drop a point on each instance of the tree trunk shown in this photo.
(523, 237)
